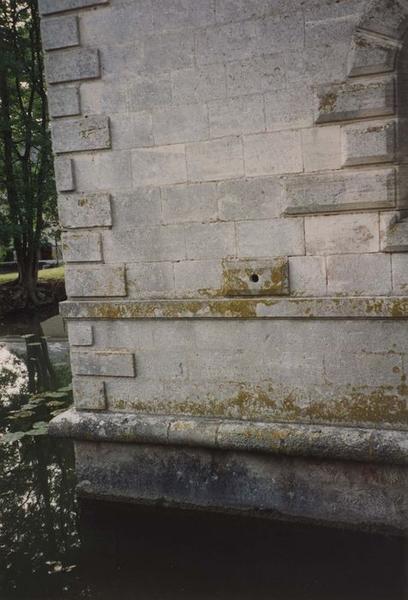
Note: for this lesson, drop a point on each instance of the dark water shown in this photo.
(54, 547)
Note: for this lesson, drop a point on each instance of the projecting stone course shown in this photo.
(60, 32)
(89, 133)
(64, 101)
(72, 65)
(85, 210)
(55, 6)
(96, 281)
(64, 174)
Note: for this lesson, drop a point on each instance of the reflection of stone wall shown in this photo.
(219, 161)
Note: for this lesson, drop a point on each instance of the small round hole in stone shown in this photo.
(254, 278)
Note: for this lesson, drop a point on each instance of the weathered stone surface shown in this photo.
(150, 280)
(134, 131)
(104, 171)
(249, 199)
(289, 107)
(366, 143)
(215, 160)
(159, 166)
(80, 334)
(97, 281)
(85, 210)
(256, 277)
(72, 65)
(370, 55)
(256, 75)
(342, 234)
(59, 32)
(145, 244)
(89, 394)
(198, 278)
(104, 364)
(359, 274)
(321, 148)
(394, 232)
(89, 133)
(340, 191)
(64, 174)
(64, 101)
(215, 240)
(189, 203)
(180, 124)
(82, 247)
(270, 238)
(307, 276)
(236, 116)
(55, 6)
(355, 101)
(271, 153)
(198, 84)
(387, 18)
(400, 274)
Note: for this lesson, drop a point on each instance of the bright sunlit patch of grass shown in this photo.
(55, 273)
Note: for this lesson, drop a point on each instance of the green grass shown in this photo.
(56, 273)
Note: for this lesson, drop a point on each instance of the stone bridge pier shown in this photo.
(232, 179)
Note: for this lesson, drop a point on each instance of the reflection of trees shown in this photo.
(38, 521)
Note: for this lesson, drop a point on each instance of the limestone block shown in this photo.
(400, 274)
(150, 280)
(235, 10)
(394, 231)
(72, 65)
(256, 277)
(234, 41)
(256, 75)
(148, 90)
(103, 364)
(368, 142)
(325, 32)
(277, 237)
(98, 280)
(197, 277)
(342, 234)
(55, 6)
(59, 32)
(370, 54)
(142, 244)
(282, 32)
(307, 276)
(82, 247)
(140, 207)
(181, 14)
(248, 199)
(99, 96)
(273, 153)
(186, 123)
(355, 101)
(168, 51)
(359, 274)
(236, 116)
(85, 210)
(198, 84)
(215, 160)
(64, 174)
(121, 22)
(210, 240)
(104, 170)
(290, 107)
(89, 394)
(188, 203)
(389, 18)
(131, 130)
(321, 148)
(64, 101)
(340, 191)
(80, 334)
(89, 133)
(361, 369)
(159, 166)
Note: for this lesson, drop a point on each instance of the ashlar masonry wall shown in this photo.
(232, 185)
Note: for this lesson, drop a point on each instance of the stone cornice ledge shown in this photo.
(295, 439)
(241, 308)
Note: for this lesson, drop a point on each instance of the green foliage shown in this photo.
(27, 187)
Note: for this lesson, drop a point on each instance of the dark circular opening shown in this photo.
(254, 277)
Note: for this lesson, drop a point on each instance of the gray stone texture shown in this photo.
(371, 54)
(64, 101)
(82, 247)
(105, 364)
(80, 334)
(95, 281)
(55, 6)
(89, 394)
(368, 142)
(64, 174)
(60, 32)
(85, 210)
(89, 133)
(72, 65)
(340, 191)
